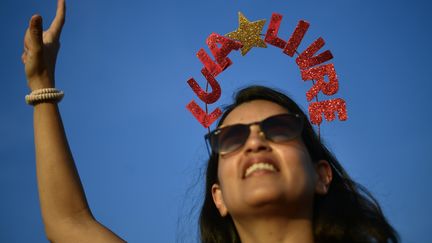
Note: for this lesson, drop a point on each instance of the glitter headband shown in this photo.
(246, 37)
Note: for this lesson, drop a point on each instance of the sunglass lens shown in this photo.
(232, 137)
(282, 128)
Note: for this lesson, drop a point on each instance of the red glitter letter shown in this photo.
(296, 38)
(208, 98)
(327, 107)
(306, 59)
(317, 74)
(272, 31)
(205, 119)
(220, 54)
(209, 64)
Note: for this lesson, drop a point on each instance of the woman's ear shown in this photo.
(324, 177)
(218, 200)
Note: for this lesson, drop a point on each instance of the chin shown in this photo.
(263, 196)
(267, 199)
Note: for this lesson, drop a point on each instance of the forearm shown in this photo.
(61, 193)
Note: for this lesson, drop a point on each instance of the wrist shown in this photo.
(41, 83)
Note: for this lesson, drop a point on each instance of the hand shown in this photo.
(41, 48)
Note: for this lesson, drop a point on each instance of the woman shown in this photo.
(269, 179)
(272, 180)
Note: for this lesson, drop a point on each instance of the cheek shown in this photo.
(226, 168)
(298, 169)
(228, 180)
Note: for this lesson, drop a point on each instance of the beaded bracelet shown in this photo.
(44, 95)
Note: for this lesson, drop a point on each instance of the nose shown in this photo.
(256, 141)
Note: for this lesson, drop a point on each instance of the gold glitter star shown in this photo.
(248, 33)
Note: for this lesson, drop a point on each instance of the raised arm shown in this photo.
(64, 207)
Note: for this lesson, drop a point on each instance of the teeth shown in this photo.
(259, 166)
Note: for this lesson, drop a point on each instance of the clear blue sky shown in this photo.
(124, 65)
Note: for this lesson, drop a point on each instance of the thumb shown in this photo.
(36, 31)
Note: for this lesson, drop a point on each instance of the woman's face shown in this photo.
(282, 175)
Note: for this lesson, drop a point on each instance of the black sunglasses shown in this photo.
(278, 128)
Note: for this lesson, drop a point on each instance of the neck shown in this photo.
(276, 228)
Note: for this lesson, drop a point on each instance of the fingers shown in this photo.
(24, 57)
(35, 32)
(59, 20)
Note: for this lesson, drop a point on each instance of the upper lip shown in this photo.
(258, 159)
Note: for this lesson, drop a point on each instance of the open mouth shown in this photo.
(260, 166)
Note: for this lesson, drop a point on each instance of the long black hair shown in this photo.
(347, 213)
